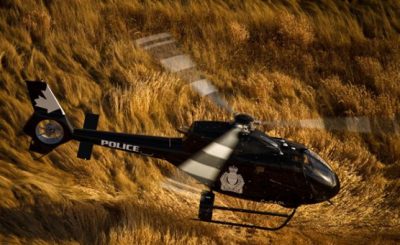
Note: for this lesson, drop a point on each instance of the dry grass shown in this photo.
(272, 59)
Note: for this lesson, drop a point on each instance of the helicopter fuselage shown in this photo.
(232, 158)
(261, 168)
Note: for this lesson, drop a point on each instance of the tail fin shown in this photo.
(48, 126)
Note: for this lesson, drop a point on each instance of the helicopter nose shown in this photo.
(324, 187)
(325, 176)
(325, 183)
(335, 188)
(323, 180)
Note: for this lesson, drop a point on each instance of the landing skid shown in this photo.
(207, 206)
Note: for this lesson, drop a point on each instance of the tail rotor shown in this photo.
(48, 126)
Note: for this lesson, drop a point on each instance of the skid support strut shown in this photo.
(207, 206)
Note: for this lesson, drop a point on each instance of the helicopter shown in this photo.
(229, 157)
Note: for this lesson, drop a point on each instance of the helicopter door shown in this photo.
(260, 181)
(272, 178)
(263, 164)
(249, 152)
(293, 180)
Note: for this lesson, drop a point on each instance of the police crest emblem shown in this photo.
(232, 181)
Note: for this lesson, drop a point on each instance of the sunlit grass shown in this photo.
(272, 59)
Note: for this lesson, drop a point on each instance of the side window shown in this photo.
(254, 149)
(298, 158)
(249, 146)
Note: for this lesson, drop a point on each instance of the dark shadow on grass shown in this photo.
(90, 222)
(84, 222)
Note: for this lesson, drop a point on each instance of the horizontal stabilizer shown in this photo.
(85, 148)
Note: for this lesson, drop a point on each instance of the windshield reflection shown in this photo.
(318, 169)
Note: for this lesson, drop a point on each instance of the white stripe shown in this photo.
(203, 86)
(217, 150)
(312, 123)
(358, 124)
(196, 168)
(140, 41)
(158, 44)
(178, 63)
(55, 99)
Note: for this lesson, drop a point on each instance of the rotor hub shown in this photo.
(243, 119)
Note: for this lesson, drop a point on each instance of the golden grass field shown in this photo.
(276, 60)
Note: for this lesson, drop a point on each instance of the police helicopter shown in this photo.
(229, 157)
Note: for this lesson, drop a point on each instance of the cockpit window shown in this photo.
(257, 143)
(318, 169)
(311, 156)
(299, 158)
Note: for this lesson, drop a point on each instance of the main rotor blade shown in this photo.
(206, 164)
(163, 48)
(373, 125)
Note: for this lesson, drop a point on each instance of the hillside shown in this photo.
(298, 60)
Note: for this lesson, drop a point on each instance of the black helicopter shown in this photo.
(233, 158)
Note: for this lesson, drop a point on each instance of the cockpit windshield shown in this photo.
(317, 169)
(312, 157)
